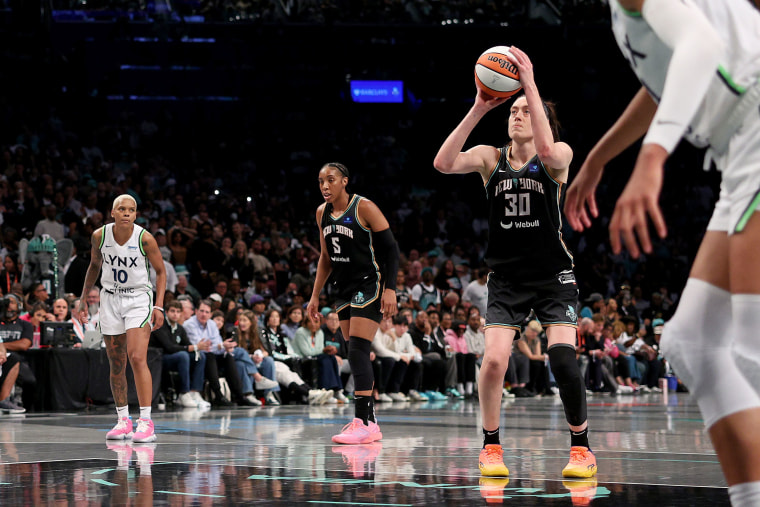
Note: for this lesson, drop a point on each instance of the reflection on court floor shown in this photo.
(650, 450)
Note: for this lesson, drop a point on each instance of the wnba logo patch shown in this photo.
(358, 298)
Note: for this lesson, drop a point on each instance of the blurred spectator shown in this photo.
(476, 292)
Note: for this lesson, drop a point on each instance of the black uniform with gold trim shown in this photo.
(532, 267)
(355, 272)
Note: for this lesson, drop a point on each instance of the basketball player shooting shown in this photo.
(532, 268)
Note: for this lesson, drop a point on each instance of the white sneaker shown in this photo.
(199, 399)
(506, 394)
(656, 389)
(384, 398)
(340, 397)
(264, 383)
(272, 400)
(315, 395)
(328, 397)
(186, 400)
(251, 398)
(416, 396)
(398, 397)
(625, 389)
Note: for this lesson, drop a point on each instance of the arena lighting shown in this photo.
(377, 91)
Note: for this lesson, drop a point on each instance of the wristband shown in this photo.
(159, 309)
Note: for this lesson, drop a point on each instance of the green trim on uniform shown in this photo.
(729, 80)
(139, 241)
(344, 211)
(633, 14)
(504, 326)
(337, 310)
(358, 222)
(751, 208)
(150, 310)
(102, 237)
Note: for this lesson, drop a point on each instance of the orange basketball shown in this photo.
(495, 74)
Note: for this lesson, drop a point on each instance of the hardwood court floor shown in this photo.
(651, 450)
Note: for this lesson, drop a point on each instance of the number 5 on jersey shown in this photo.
(336, 244)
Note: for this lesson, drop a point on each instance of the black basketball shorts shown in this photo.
(554, 301)
(360, 300)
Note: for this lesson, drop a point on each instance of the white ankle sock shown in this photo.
(746, 494)
(145, 413)
(122, 412)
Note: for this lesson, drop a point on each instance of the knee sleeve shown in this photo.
(697, 343)
(745, 311)
(361, 366)
(568, 376)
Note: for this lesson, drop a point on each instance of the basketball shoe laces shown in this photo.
(493, 455)
(352, 426)
(142, 426)
(121, 424)
(578, 455)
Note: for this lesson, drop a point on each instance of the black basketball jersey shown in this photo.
(349, 246)
(524, 223)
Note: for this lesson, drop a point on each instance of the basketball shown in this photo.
(495, 75)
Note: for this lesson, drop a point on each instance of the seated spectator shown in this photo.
(623, 374)
(10, 274)
(219, 357)
(37, 294)
(593, 304)
(287, 365)
(530, 346)
(476, 292)
(9, 368)
(16, 335)
(309, 342)
(293, 319)
(403, 291)
(465, 359)
(336, 344)
(258, 363)
(425, 293)
(36, 316)
(447, 279)
(407, 372)
(437, 372)
(180, 355)
(640, 356)
(384, 366)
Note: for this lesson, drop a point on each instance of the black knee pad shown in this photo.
(568, 376)
(361, 366)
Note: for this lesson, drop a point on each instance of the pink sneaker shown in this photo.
(122, 430)
(356, 432)
(144, 431)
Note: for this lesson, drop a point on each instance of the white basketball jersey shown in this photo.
(125, 267)
(738, 25)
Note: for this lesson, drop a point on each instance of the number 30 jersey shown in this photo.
(125, 267)
(524, 223)
(349, 246)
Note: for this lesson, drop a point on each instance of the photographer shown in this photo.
(16, 335)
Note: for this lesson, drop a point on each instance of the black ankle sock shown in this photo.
(491, 437)
(364, 409)
(579, 439)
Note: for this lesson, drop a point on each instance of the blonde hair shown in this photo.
(121, 198)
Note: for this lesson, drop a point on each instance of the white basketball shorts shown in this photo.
(119, 313)
(739, 195)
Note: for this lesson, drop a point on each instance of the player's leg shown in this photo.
(116, 350)
(572, 391)
(137, 350)
(735, 438)
(698, 342)
(361, 327)
(490, 384)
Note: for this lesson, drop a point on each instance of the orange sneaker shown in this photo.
(492, 488)
(491, 462)
(582, 463)
(582, 491)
